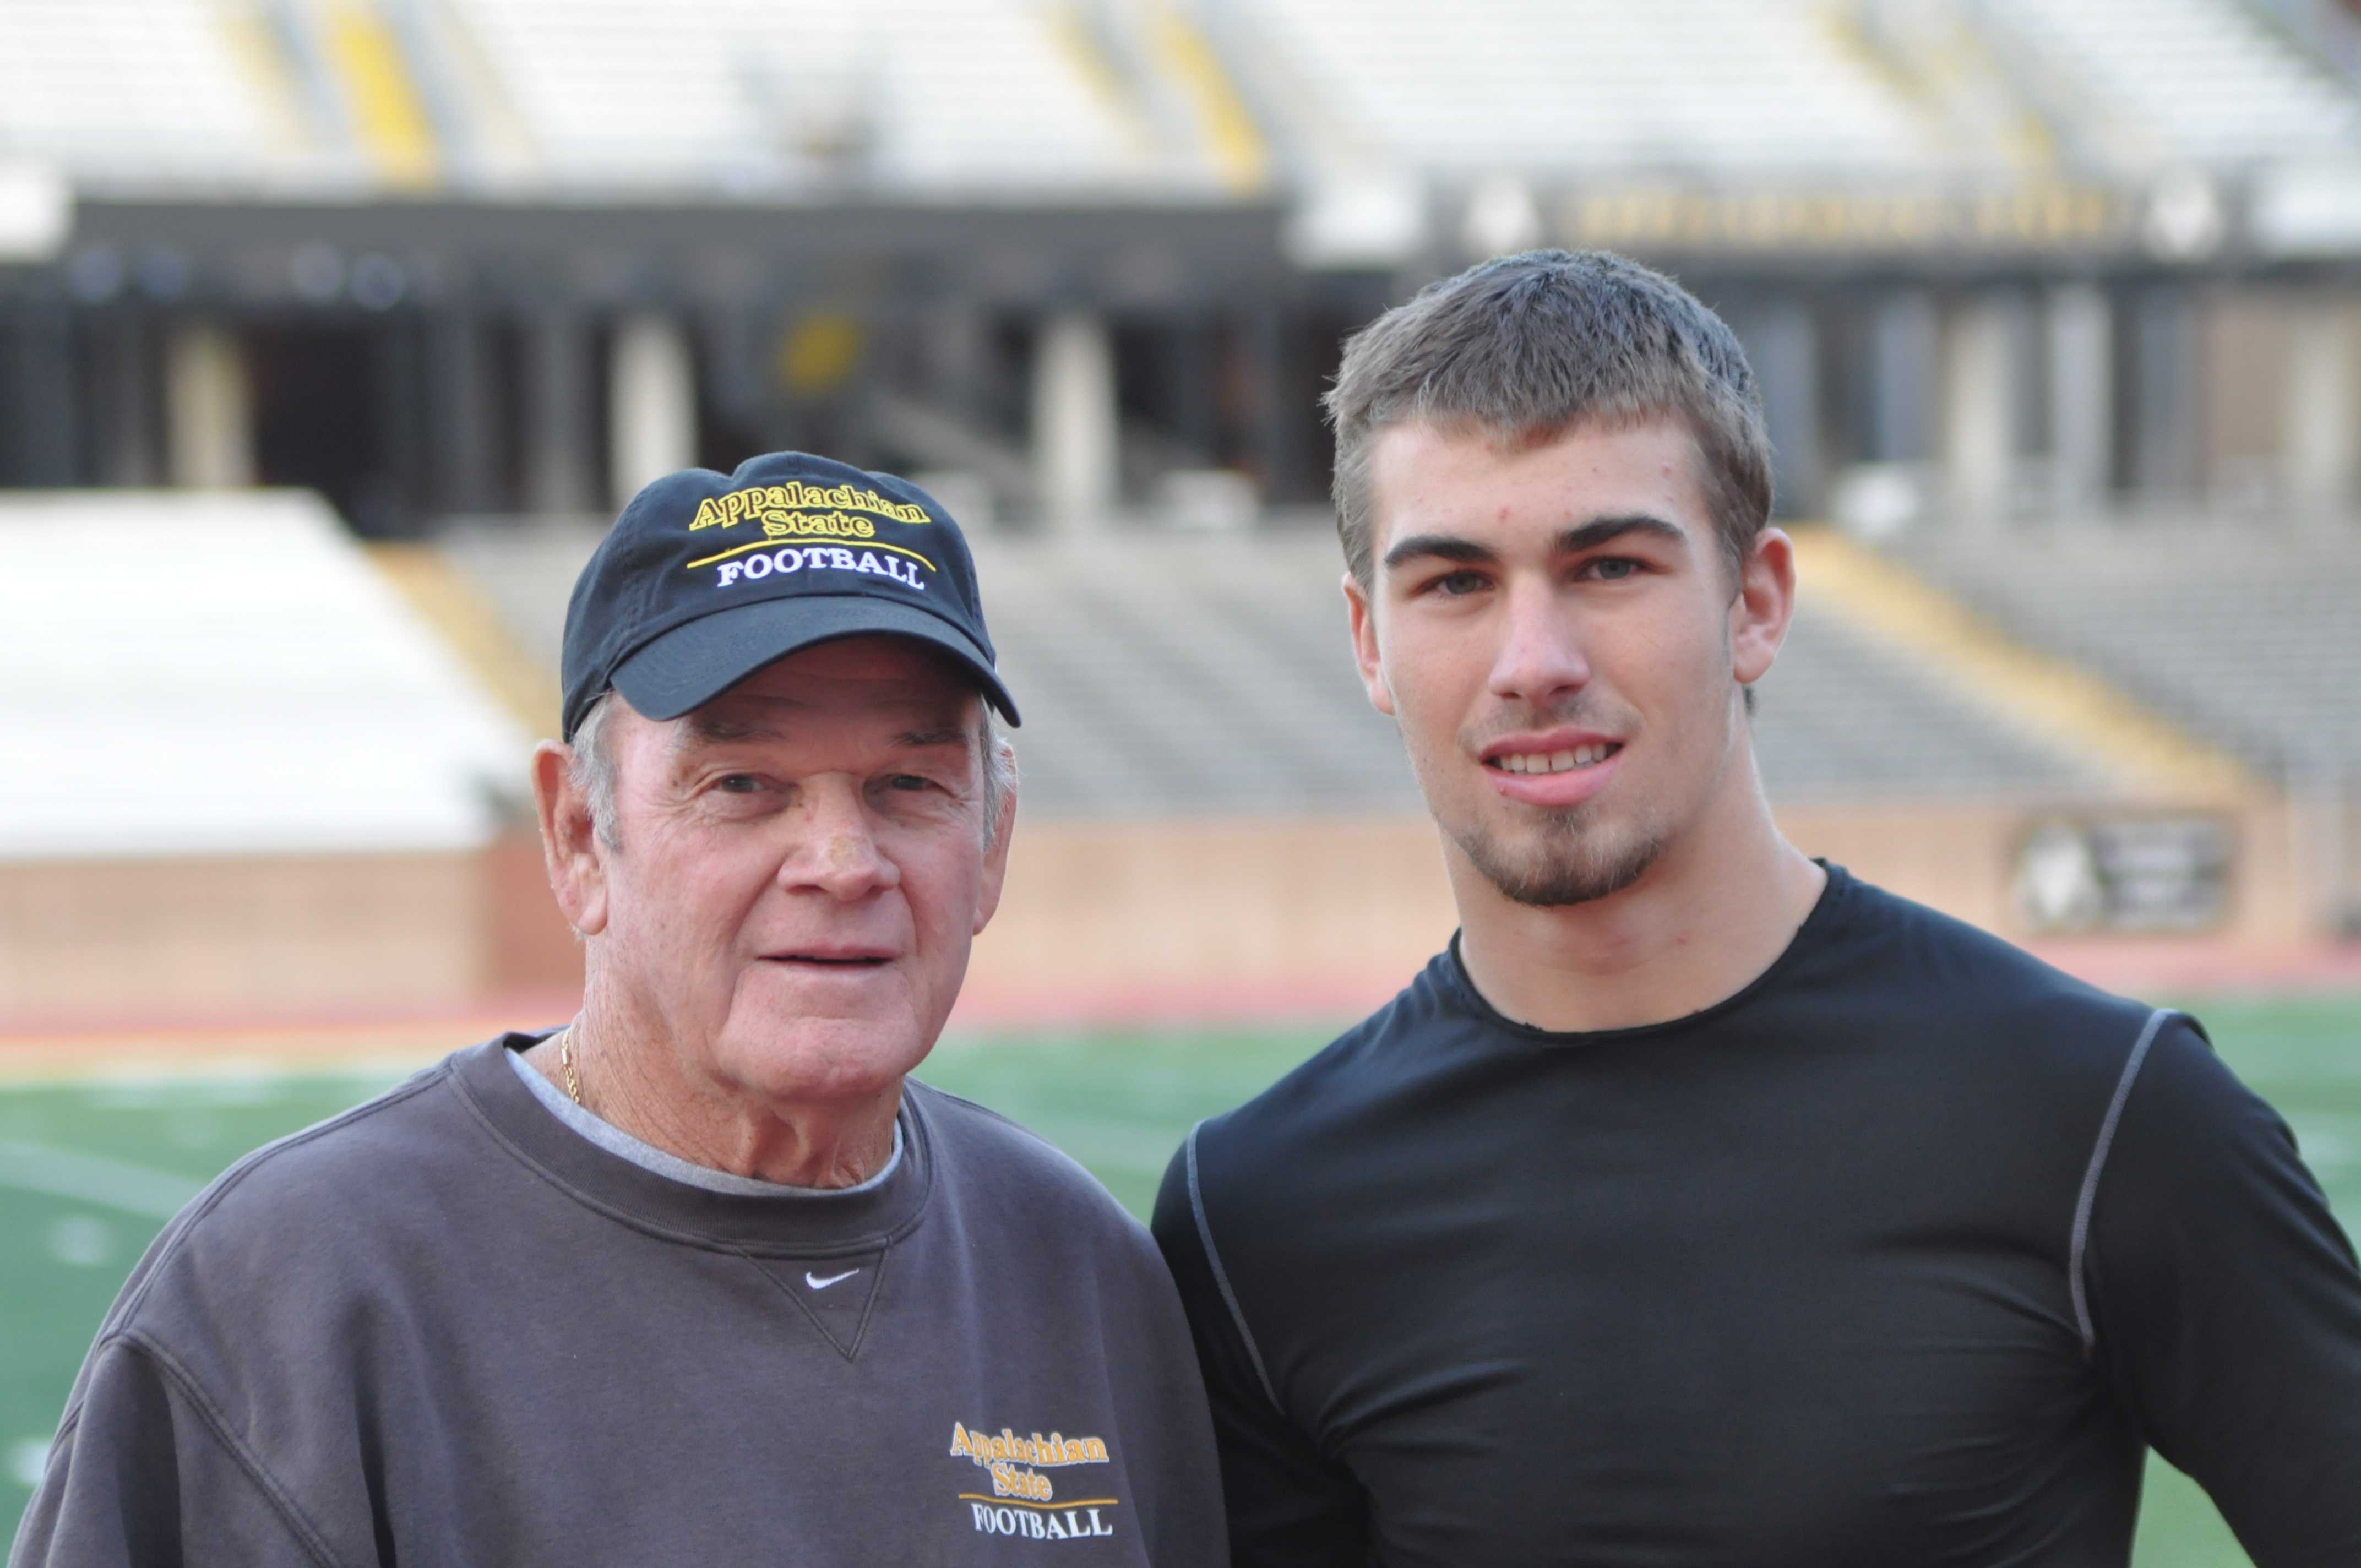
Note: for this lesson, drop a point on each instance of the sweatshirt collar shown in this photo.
(779, 1221)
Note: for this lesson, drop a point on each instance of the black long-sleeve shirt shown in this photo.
(1901, 1255)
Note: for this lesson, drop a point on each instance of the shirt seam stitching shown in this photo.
(186, 1221)
(1221, 1276)
(2077, 1247)
(850, 1352)
(298, 1524)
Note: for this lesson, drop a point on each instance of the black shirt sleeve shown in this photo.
(1290, 1504)
(141, 1475)
(2226, 1306)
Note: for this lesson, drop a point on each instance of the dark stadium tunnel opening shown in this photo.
(338, 408)
(315, 423)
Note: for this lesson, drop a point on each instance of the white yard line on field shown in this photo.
(135, 1073)
(88, 1179)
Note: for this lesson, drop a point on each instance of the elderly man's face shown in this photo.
(799, 869)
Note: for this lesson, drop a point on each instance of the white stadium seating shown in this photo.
(997, 98)
(2203, 80)
(927, 93)
(1552, 85)
(191, 674)
(148, 90)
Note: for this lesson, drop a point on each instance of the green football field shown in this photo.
(89, 1170)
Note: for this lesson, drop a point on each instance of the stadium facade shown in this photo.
(2073, 282)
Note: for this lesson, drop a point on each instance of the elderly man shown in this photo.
(1700, 1204)
(703, 1277)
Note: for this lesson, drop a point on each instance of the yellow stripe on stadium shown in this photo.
(2064, 705)
(1238, 148)
(387, 112)
(1071, 29)
(430, 584)
(263, 61)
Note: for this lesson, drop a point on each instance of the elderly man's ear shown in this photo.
(996, 860)
(569, 840)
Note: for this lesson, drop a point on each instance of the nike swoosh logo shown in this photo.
(817, 1283)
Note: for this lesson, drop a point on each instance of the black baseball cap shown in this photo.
(706, 577)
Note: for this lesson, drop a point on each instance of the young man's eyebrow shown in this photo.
(1580, 537)
(1599, 530)
(1439, 547)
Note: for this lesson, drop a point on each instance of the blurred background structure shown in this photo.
(2056, 306)
(333, 333)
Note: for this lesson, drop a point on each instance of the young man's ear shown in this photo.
(570, 847)
(1364, 622)
(1765, 605)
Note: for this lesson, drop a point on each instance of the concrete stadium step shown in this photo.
(2245, 636)
(2022, 686)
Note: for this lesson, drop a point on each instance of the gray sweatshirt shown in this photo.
(446, 1328)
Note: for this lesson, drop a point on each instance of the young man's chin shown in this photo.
(1557, 875)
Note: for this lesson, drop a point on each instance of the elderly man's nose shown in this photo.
(839, 854)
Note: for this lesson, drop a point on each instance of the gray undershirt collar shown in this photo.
(647, 1156)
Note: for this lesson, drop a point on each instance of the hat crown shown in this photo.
(786, 526)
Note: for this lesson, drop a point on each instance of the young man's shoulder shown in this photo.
(1906, 961)
(1370, 1073)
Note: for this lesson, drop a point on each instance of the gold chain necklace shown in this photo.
(565, 1059)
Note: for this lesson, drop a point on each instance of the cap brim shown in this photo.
(697, 662)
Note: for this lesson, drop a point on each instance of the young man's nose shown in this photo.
(1540, 653)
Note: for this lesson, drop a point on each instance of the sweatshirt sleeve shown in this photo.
(2225, 1307)
(1288, 1503)
(141, 1475)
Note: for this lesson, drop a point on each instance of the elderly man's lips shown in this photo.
(833, 957)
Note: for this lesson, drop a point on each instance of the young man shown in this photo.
(1701, 1204)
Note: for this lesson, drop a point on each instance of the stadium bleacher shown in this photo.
(152, 92)
(1554, 84)
(931, 94)
(2203, 80)
(1014, 96)
(166, 692)
(2246, 635)
(714, 95)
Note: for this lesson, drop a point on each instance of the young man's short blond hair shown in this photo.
(1528, 346)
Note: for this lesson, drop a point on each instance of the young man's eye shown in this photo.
(1456, 585)
(1612, 569)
